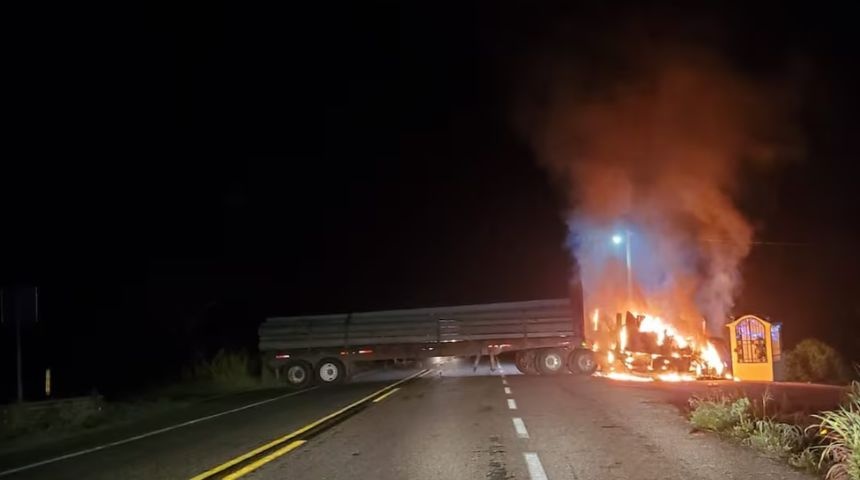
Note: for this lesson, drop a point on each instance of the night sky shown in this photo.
(182, 172)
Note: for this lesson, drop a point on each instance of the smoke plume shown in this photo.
(654, 159)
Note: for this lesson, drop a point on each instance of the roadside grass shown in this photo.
(19, 420)
(32, 423)
(775, 439)
(840, 430)
(827, 443)
(719, 414)
(226, 370)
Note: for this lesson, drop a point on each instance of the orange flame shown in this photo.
(701, 355)
(652, 324)
(676, 377)
(622, 338)
(710, 355)
(625, 376)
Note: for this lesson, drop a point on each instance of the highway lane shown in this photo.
(450, 426)
(184, 452)
(595, 428)
(455, 424)
(458, 425)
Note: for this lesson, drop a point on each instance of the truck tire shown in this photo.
(330, 371)
(525, 362)
(582, 362)
(298, 373)
(550, 361)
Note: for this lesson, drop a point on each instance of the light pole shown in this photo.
(629, 271)
(618, 239)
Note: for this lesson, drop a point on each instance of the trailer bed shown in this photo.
(538, 319)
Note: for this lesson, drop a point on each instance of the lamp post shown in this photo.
(629, 271)
(618, 239)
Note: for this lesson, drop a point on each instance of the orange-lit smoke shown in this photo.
(657, 154)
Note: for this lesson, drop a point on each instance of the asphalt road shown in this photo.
(449, 424)
(183, 452)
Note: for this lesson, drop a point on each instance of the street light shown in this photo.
(618, 239)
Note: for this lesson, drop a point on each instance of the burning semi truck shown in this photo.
(543, 337)
(635, 346)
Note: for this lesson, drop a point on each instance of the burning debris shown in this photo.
(645, 347)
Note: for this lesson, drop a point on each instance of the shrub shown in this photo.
(721, 414)
(814, 361)
(230, 368)
(227, 369)
(775, 439)
(736, 418)
(832, 445)
(806, 459)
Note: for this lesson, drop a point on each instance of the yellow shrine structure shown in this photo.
(756, 348)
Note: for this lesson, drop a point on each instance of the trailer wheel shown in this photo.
(525, 362)
(582, 362)
(330, 371)
(298, 373)
(550, 361)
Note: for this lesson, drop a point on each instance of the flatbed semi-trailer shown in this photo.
(545, 336)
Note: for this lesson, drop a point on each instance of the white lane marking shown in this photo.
(508, 390)
(512, 404)
(520, 427)
(536, 471)
(504, 382)
(149, 434)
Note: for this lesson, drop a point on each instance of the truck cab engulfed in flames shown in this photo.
(635, 346)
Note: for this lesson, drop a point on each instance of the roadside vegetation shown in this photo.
(840, 430)
(223, 373)
(34, 422)
(812, 360)
(827, 443)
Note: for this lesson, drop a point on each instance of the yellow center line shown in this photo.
(241, 458)
(382, 397)
(268, 458)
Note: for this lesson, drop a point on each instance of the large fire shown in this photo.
(651, 160)
(643, 347)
